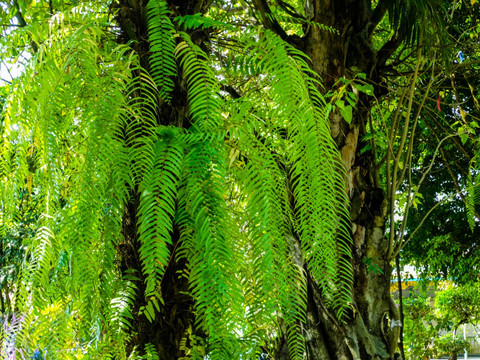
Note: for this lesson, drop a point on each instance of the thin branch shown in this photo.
(400, 149)
(428, 214)
(408, 156)
(231, 90)
(8, 69)
(10, 25)
(391, 141)
(442, 127)
(438, 69)
(408, 160)
(400, 245)
(400, 307)
(23, 23)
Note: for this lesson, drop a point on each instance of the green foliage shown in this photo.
(157, 204)
(459, 304)
(420, 327)
(345, 98)
(306, 123)
(122, 305)
(255, 189)
(214, 286)
(71, 112)
(473, 197)
(424, 324)
(451, 345)
(16, 232)
(162, 47)
(198, 21)
(437, 194)
(150, 353)
(278, 146)
(151, 155)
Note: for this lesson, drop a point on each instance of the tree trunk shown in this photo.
(173, 329)
(176, 317)
(368, 332)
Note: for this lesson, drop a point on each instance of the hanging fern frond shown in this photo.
(72, 114)
(157, 206)
(162, 47)
(214, 286)
(150, 352)
(122, 305)
(140, 125)
(284, 136)
(408, 17)
(249, 183)
(473, 198)
(204, 100)
(202, 196)
(316, 168)
(315, 175)
(273, 276)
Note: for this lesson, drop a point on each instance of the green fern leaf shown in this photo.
(157, 207)
(162, 46)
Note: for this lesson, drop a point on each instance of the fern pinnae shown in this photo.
(162, 47)
(157, 207)
(122, 305)
(285, 87)
(314, 162)
(274, 275)
(214, 286)
(141, 123)
(473, 194)
(262, 184)
(150, 352)
(75, 107)
(203, 89)
(335, 185)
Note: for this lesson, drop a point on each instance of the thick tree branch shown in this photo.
(388, 49)
(268, 20)
(377, 15)
(232, 91)
(18, 15)
(23, 23)
(290, 10)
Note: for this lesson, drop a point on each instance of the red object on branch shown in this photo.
(438, 103)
